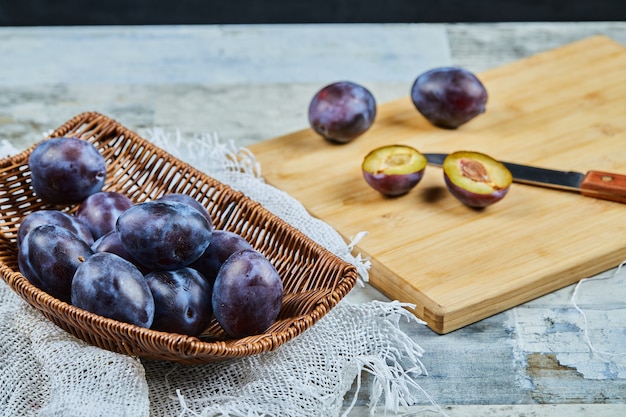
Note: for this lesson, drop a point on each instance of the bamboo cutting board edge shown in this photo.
(397, 118)
(446, 318)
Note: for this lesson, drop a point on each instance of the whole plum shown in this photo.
(100, 211)
(112, 243)
(66, 170)
(107, 285)
(342, 111)
(182, 301)
(56, 217)
(48, 257)
(223, 244)
(449, 96)
(247, 294)
(164, 235)
(190, 201)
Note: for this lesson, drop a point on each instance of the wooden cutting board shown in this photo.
(562, 109)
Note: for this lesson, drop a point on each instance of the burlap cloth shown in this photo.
(47, 372)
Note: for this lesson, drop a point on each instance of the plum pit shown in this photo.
(476, 179)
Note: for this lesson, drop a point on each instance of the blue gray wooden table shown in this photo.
(250, 83)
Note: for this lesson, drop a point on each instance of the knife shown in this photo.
(597, 184)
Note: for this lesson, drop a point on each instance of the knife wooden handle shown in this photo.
(604, 185)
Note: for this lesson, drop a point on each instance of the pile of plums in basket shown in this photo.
(159, 264)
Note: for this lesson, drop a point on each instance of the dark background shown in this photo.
(157, 12)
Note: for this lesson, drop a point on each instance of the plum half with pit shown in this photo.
(393, 170)
(449, 96)
(476, 179)
(342, 111)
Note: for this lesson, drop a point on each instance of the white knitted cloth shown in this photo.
(47, 372)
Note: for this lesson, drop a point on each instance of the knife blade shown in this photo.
(596, 184)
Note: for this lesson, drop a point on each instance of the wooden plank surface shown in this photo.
(562, 109)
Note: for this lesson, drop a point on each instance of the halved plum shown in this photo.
(476, 179)
(393, 170)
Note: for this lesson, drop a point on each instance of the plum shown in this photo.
(110, 286)
(223, 244)
(247, 294)
(56, 217)
(49, 256)
(112, 243)
(66, 170)
(449, 96)
(393, 170)
(342, 111)
(164, 235)
(100, 211)
(476, 179)
(190, 201)
(182, 300)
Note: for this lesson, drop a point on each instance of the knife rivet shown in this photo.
(607, 178)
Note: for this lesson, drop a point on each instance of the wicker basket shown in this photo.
(314, 279)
